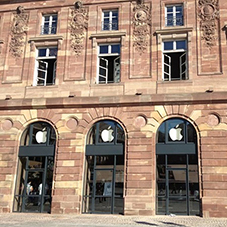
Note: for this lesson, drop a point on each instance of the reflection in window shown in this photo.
(106, 131)
(176, 130)
(39, 133)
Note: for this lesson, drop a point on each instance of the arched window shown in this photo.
(35, 169)
(177, 188)
(104, 169)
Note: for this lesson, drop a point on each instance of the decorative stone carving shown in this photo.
(141, 23)
(78, 24)
(18, 30)
(209, 14)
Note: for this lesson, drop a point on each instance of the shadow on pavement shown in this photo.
(172, 223)
(145, 223)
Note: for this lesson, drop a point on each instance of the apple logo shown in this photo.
(175, 133)
(41, 136)
(107, 134)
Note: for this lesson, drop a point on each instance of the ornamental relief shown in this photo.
(141, 22)
(18, 31)
(209, 14)
(78, 24)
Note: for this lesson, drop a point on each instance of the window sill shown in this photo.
(42, 87)
(108, 84)
(174, 81)
(174, 29)
(108, 34)
(46, 38)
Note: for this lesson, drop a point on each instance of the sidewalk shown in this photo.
(40, 220)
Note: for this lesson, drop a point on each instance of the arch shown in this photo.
(104, 168)
(177, 178)
(35, 168)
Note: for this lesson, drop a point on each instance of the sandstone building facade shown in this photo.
(113, 107)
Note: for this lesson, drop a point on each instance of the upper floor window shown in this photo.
(45, 67)
(49, 24)
(174, 15)
(109, 64)
(110, 20)
(175, 60)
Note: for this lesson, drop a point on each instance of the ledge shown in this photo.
(174, 30)
(113, 101)
(109, 34)
(45, 38)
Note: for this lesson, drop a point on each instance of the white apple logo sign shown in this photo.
(175, 133)
(107, 134)
(41, 136)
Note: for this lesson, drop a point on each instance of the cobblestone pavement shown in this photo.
(34, 220)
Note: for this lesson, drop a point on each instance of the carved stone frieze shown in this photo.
(141, 23)
(78, 25)
(18, 31)
(209, 14)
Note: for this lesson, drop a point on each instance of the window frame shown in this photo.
(42, 59)
(174, 15)
(109, 54)
(50, 24)
(171, 51)
(110, 20)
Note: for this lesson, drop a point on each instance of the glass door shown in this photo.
(177, 191)
(103, 189)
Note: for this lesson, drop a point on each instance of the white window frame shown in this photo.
(42, 60)
(110, 19)
(50, 24)
(174, 13)
(117, 65)
(182, 64)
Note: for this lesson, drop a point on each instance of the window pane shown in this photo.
(168, 45)
(115, 48)
(106, 14)
(179, 8)
(181, 44)
(53, 52)
(169, 9)
(46, 18)
(103, 49)
(54, 18)
(115, 13)
(42, 52)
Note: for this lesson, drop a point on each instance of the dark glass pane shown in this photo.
(46, 18)
(115, 49)
(103, 49)
(168, 45)
(191, 133)
(177, 160)
(179, 9)
(181, 45)
(36, 162)
(115, 13)
(104, 160)
(169, 9)
(42, 52)
(53, 52)
(161, 206)
(106, 14)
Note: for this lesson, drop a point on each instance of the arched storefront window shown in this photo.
(35, 169)
(104, 169)
(177, 184)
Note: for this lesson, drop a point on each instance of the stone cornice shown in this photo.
(173, 30)
(109, 34)
(112, 101)
(45, 38)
